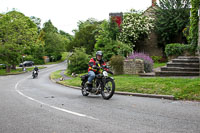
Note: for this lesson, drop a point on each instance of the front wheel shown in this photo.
(33, 75)
(108, 90)
(83, 89)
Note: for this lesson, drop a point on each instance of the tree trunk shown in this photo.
(13, 67)
(8, 69)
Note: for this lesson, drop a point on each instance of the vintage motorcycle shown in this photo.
(34, 74)
(102, 84)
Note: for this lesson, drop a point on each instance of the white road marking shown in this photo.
(51, 106)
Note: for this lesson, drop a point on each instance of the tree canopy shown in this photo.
(18, 32)
(85, 35)
(172, 16)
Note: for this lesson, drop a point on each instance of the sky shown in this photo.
(64, 14)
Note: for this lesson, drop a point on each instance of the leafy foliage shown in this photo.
(85, 35)
(156, 59)
(135, 27)
(78, 61)
(108, 43)
(177, 49)
(193, 35)
(117, 63)
(172, 16)
(18, 32)
(54, 42)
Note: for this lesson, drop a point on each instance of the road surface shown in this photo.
(40, 106)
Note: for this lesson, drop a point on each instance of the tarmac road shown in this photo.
(40, 106)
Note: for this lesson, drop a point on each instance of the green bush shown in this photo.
(117, 63)
(38, 61)
(78, 61)
(156, 59)
(177, 49)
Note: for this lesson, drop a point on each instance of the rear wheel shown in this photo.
(109, 89)
(83, 89)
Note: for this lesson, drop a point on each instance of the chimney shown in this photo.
(153, 2)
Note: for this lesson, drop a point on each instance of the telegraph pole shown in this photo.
(198, 46)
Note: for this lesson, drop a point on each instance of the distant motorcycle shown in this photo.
(34, 74)
(102, 84)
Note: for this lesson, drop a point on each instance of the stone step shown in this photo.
(180, 69)
(185, 60)
(147, 74)
(190, 65)
(176, 73)
(188, 57)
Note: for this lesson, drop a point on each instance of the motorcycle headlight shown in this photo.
(105, 74)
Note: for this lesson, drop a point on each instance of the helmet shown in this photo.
(99, 53)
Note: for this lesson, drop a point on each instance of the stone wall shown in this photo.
(133, 66)
(150, 45)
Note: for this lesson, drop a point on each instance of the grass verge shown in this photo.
(56, 75)
(17, 71)
(180, 88)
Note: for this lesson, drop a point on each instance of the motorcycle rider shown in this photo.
(35, 69)
(94, 67)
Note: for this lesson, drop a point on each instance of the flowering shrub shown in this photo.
(106, 41)
(135, 27)
(148, 62)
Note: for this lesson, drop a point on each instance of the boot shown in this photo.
(89, 86)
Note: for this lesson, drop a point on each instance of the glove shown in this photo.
(94, 67)
(110, 72)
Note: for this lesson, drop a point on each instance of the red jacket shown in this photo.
(93, 61)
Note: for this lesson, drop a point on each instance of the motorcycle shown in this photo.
(101, 84)
(34, 74)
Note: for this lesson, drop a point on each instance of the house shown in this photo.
(150, 44)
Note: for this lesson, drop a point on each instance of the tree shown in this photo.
(172, 16)
(37, 21)
(67, 38)
(55, 43)
(135, 27)
(17, 33)
(85, 35)
(49, 27)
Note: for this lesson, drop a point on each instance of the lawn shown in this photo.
(181, 88)
(156, 65)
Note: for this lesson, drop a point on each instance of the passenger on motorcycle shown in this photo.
(94, 67)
